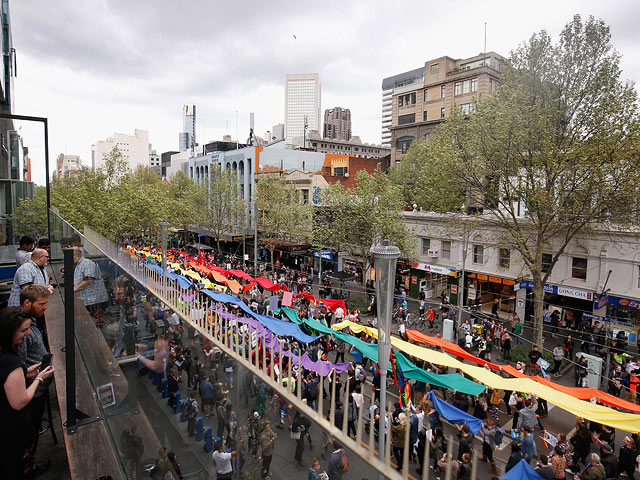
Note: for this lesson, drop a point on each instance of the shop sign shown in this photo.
(557, 290)
(454, 289)
(432, 252)
(622, 302)
(414, 279)
(471, 293)
(324, 254)
(433, 268)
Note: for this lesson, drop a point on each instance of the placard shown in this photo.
(106, 395)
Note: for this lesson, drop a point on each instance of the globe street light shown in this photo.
(385, 257)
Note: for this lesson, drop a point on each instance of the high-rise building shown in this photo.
(277, 132)
(187, 138)
(337, 123)
(301, 101)
(135, 149)
(67, 166)
(419, 107)
(388, 87)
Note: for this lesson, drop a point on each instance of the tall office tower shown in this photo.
(388, 87)
(277, 132)
(187, 138)
(337, 123)
(301, 99)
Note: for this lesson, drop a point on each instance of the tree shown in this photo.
(225, 209)
(186, 201)
(552, 154)
(281, 214)
(353, 220)
(30, 216)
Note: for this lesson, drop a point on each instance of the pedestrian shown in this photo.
(299, 430)
(489, 440)
(398, 428)
(558, 356)
(314, 470)
(132, 449)
(337, 463)
(559, 464)
(595, 470)
(171, 456)
(544, 469)
(18, 436)
(514, 458)
(627, 456)
(223, 461)
(33, 271)
(267, 441)
(528, 444)
(207, 395)
(220, 415)
(192, 411)
(24, 249)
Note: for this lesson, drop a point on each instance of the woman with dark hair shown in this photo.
(17, 434)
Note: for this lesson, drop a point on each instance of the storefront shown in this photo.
(432, 279)
(485, 289)
(324, 261)
(619, 314)
(403, 274)
(570, 302)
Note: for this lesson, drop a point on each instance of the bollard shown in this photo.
(176, 403)
(199, 428)
(208, 439)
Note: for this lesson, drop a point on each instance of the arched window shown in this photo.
(579, 262)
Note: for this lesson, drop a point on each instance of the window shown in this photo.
(305, 196)
(400, 100)
(426, 245)
(505, 258)
(547, 258)
(427, 137)
(443, 91)
(446, 249)
(466, 86)
(474, 84)
(468, 108)
(442, 112)
(435, 67)
(403, 143)
(579, 268)
(478, 254)
(457, 88)
(426, 95)
(404, 119)
(424, 116)
(493, 85)
(340, 171)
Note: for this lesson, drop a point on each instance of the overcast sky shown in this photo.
(94, 67)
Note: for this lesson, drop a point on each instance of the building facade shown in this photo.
(302, 100)
(389, 84)
(135, 149)
(353, 147)
(187, 138)
(67, 166)
(418, 108)
(596, 278)
(337, 124)
(277, 133)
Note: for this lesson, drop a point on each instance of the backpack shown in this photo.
(499, 436)
(345, 465)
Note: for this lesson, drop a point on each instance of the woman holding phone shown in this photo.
(17, 433)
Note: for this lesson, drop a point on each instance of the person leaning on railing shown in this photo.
(17, 432)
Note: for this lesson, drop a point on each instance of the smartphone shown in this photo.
(46, 361)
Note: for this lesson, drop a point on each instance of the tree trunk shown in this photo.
(271, 251)
(538, 309)
(218, 244)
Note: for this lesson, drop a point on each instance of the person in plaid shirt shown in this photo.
(87, 280)
(559, 464)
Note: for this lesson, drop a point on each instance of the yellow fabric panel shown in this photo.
(625, 421)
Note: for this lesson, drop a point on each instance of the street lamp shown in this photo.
(385, 257)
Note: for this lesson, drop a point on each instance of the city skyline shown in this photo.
(90, 82)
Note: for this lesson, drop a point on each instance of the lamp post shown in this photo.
(464, 260)
(163, 239)
(385, 257)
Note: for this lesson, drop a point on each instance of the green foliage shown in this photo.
(353, 220)
(30, 216)
(186, 201)
(560, 137)
(281, 215)
(520, 353)
(224, 209)
(361, 304)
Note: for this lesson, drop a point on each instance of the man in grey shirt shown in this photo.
(32, 272)
(87, 280)
(22, 254)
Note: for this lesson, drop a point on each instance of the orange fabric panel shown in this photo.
(234, 286)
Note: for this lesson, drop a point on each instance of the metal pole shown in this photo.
(461, 283)
(386, 257)
(69, 338)
(46, 170)
(163, 238)
(255, 233)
